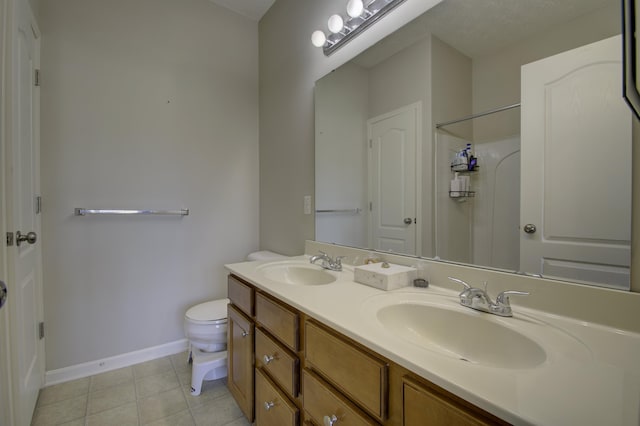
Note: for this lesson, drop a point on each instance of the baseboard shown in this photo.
(113, 363)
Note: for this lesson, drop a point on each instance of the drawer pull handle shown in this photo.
(244, 333)
(269, 405)
(330, 420)
(267, 359)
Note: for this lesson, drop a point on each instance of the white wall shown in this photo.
(145, 104)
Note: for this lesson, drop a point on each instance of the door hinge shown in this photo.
(36, 77)
(9, 239)
(41, 330)
(370, 143)
(38, 204)
(370, 206)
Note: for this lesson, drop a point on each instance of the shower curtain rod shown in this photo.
(480, 114)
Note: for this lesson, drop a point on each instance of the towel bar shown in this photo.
(84, 212)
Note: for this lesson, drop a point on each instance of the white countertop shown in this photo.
(591, 375)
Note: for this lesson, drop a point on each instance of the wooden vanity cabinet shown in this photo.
(306, 371)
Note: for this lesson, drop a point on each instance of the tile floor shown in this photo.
(152, 393)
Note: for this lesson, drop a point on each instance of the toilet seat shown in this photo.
(212, 312)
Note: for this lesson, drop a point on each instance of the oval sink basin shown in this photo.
(472, 337)
(297, 273)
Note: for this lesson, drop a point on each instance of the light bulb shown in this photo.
(335, 23)
(355, 8)
(318, 38)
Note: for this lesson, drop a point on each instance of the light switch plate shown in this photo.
(307, 204)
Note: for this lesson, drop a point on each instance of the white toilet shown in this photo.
(205, 326)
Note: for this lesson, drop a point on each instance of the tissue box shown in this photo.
(395, 276)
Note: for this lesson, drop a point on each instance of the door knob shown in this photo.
(530, 228)
(3, 293)
(408, 220)
(30, 238)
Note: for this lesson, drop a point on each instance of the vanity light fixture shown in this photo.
(360, 15)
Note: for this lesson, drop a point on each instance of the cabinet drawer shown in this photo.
(240, 294)
(320, 402)
(423, 406)
(273, 408)
(278, 362)
(279, 320)
(357, 374)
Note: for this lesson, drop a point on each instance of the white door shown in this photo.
(393, 180)
(572, 103)
(5, 378)
(25, 287)
(5, 354)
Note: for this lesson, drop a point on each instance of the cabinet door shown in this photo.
(423, 407)
(273, 408)
(240, 332)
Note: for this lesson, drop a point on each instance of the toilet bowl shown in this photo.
(205, 326)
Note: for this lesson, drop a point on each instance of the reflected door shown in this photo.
(572, 224)
(393, 159)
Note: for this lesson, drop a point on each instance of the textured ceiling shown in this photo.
(480, 27)
(252, 9)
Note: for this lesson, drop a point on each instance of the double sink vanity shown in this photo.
(309, 345)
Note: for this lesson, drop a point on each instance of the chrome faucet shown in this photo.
(327, 261)
(478, 299)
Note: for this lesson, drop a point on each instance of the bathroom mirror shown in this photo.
(551, 192)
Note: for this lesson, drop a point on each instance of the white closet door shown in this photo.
(25, 286)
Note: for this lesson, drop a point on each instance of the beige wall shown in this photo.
(145, 104)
